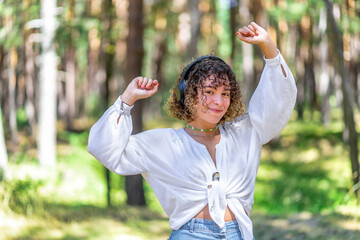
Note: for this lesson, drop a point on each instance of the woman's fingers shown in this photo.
(250, 30)
(150, 84)
(247, 31)
(145, 82)
(252, 33)
(243, 32)
(255, 26)
(253, 29)
(139, 81)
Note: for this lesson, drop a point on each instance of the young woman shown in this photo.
(203, 174)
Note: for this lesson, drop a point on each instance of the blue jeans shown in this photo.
(207, 230)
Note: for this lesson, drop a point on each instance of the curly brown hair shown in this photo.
(222, 75)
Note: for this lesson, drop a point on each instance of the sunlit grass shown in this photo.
(306, 168)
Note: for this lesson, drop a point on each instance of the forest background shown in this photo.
(62, 63)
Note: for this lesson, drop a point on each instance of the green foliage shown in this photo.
(22, 197)
(93, 106)
(223, 16)
(2, 175)
(291, 13)
(14, 15)
(78, 139)
(21, 118)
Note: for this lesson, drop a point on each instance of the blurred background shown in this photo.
(64, 62)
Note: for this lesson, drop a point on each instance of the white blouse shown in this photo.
(180, 170)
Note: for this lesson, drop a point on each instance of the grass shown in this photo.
(302, 192)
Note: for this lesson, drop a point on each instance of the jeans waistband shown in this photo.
(209, 225)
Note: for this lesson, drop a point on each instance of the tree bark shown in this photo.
(70, 86)
(324, 70)
(108, 55)
(309, 70)
(233, 28)
(12, 58)
(249, 83)
(348, 114)
(29, 86)
(300, 79)
(195, 28)
(48, 74)
(3, 152)
(135, 52)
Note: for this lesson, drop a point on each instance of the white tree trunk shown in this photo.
(48, 72)
(3, 152)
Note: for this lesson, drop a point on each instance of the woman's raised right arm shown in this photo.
(110, 139)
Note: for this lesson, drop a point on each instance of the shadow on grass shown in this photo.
(61, 221)
(82, 212)
(305, 226)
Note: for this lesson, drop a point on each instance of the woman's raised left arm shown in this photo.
(273, 101)
(254, 34)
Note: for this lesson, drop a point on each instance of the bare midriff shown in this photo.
(205, 214)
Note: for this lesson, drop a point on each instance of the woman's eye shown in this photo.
(208, 92)
(226, 94)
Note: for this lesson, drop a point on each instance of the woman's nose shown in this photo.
(218, 99)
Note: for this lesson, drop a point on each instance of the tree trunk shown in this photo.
(257, 11)
(3, 152)
(195, 28)
(233, 29)
(300, 79)
(92, 85)
(108, 61)
(324, 70)
(12, 57)
(309, 70)
(135, 52)
(29, 86)
(70, 86)
(159, 52)
(351, 134)
(48, 74)
(249, 83)
(108, 187)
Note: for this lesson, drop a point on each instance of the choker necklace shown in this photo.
(201, 135)
(202, 130)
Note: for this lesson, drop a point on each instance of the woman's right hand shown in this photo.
(139, 88)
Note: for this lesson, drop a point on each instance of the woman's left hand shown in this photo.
(254, 34)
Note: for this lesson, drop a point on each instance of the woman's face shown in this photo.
(212, 103)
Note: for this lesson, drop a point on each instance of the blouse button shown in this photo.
(209, 186)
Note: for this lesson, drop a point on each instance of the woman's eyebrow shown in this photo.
(209, 86)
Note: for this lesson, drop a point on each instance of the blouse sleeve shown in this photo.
(274, 99)
(111, 142)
